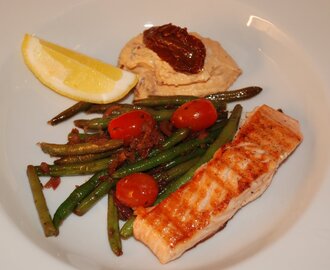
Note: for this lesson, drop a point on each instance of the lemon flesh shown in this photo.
(75, 75)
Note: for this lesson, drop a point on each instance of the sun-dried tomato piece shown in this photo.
(44, 167)
(184, 52)
(53, 183)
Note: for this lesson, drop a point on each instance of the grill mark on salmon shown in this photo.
(238, 173)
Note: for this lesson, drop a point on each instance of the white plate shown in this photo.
(282, 46)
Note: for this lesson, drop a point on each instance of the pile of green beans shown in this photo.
(172, 164)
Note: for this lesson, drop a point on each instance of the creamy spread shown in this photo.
(157, 77)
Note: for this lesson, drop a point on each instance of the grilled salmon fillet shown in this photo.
(238, 173)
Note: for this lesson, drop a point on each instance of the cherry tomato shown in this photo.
(137, 189)
(130, 125)
(197, 115)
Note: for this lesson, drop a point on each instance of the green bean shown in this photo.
(226, 96)
(236, 95)
(219, 125)
(224, 137)
(82, 158)
(102, 122)
(78, 136)
(66, 114)
(75, 136)
(101, 108)
(91, 199)
(113, 226)
(176, 171)
(75, 169)
(66, 208)
(40, 203)
(122, 110)
(60, 150)
(155, 101)
(161, 115)
(160, 158)
(98, 123)
(182, 158)
(126, 230)
(178, 136)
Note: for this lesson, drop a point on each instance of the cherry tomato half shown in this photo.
(130, 125)
(137, 189)
(197, 115)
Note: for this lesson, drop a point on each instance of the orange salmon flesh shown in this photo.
(238, 174)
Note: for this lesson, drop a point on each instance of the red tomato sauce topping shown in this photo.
(184, 52)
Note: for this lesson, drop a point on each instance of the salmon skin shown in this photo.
(238, 173)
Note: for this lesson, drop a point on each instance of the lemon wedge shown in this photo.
(75, 75)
